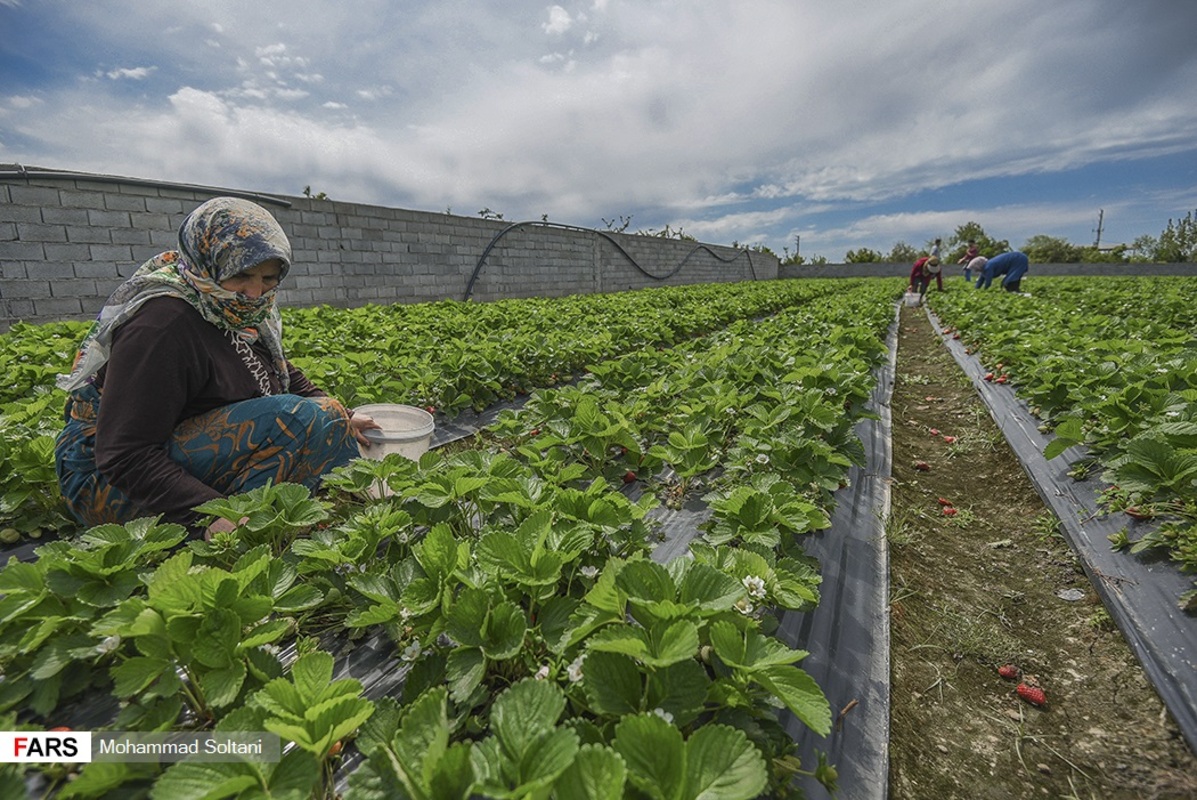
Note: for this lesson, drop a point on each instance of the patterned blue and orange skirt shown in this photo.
(234, 449)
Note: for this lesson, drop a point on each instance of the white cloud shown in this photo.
(134, 73)
(729, 119)
(559, 21)
(20, 101)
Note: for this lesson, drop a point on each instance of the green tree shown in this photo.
(955, 247)
(1143, 249)
(862, 256)
(1178, 242)
(792, 258)
(1115, 255)
(902, 253)
(1044, 249)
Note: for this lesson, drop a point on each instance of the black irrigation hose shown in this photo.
(603, 234)
(28, 174)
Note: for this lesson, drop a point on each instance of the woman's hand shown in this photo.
(359, 423)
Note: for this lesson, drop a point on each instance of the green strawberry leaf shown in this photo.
(597, 773)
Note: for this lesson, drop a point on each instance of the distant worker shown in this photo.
(977, 264)
(1012, 264)
(935, 249)
(920, 276)
(969, 256)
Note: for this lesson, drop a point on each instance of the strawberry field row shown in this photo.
(543, 653)
(448, 355)
(1111, 364)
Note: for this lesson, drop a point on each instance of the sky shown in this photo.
(816, 125)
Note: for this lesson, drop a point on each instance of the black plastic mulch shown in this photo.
(847, 634)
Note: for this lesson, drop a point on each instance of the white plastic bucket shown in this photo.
(912, 299)
(405, 430)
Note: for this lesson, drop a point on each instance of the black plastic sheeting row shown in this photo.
(1140, 592)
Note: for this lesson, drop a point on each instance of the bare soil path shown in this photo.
(993, 583)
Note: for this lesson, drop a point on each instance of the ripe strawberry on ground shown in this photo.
(950, 439)
(922, 466)
(988, 376)
(949, 511)
(934, 431)
(943, 501)
(1032, 694)
(1002, 379)
(1009, 672)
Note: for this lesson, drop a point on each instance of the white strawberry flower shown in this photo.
(412, 651)
(744, 606)
(109, 644)
(542, 673)
(755, 586)
(761, 458)
(589, 572)
(663, 714)
(574, 670)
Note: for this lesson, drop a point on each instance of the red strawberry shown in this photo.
(534, 432)
(934, 431)
(1009, 672)
(629, 476)
(955, 335)
(1002, 379)
(943, 501)
(922, 466)
(949, 439)
(949, 511)
(1032, 694)
(988, 376)
(430, 409)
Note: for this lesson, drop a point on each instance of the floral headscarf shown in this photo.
(220, 239)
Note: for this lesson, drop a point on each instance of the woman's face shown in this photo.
(257, 280)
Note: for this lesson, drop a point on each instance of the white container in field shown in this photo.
(912, 299)
(405, 430)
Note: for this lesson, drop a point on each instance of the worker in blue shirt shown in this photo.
(1013, 265)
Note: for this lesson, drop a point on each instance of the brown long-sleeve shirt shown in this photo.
(167, 364)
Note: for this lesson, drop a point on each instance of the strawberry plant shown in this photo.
(201, 636)
(762, 513)
(1107, 365)
(52, 642)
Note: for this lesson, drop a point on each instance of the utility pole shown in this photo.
(797, 244)
(1101, 212)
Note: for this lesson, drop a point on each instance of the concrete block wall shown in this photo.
(955, 273)
(68, 239)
